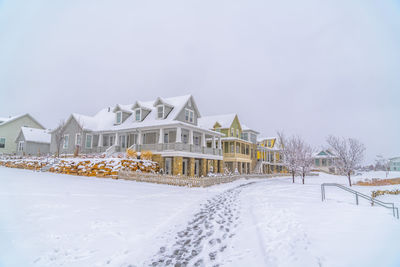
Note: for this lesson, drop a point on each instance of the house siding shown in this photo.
(10, 132)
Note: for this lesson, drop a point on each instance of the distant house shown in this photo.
(324, 160)
(10, 129)
(269, 155)
(394, 164)
(32, 141)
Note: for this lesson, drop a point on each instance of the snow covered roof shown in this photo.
(5, 120)
(326, 153)
(104, 120)
(36, 135)
(260, 139)
(247, 129)
(224, 120)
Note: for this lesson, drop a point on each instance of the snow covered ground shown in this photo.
(51, 219)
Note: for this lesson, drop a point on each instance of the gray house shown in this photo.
(33, 142)
(168, 127)
(10, 128)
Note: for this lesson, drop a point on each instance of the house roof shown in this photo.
(36, 135)
(224, 120)
(247, 129)
(104, 120)
(4, 120)
(326, 153)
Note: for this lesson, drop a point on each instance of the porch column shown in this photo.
(213, 142)
(161, 137)
(139, 138)
(178, 135)
(100, 144)
(203, 140)
(116, 139)
(219, 142)
(190, 137)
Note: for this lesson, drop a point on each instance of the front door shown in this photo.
(168, 165)
(184, 167)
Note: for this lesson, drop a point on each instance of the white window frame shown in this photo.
(4, 141)
(76, 139)
(116, 118)
(190, 115)
(163, 112)
(66, 141)
(91, 140)
(21, 146)
(140, 114)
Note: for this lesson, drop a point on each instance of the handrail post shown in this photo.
(356, 198)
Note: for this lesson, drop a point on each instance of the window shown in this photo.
(189, 115)
(21, 146)
(232, 148)
(317, 162)
(119, 117)
(196, 140)
(237, 133)
(237, 148)
(138, 114)
(226, 148)
(88, 143)
(160, 112)
(2, 142)
(78, 139)
(232, 132)
(166, 138)
(111, 140)
(185, 138)
(66, 141)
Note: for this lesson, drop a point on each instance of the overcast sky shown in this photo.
(307, 67)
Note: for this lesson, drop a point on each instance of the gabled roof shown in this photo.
(36, 135)
(104, 120)
(224, 120)
(325, 153)
(4, 121)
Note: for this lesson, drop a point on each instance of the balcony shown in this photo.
(178, 147)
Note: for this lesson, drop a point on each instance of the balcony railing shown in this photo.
(178, 147)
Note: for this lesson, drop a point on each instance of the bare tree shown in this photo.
(59, 136)
(290, 148)
(305, 158)
(349, 152)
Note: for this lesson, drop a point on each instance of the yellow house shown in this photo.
(269, 155)
(237, 146)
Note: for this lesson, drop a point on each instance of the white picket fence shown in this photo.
(188, 181)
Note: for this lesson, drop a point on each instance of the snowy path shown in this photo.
(61, 220)
(205, 236)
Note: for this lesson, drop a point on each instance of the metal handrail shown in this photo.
(387, 205)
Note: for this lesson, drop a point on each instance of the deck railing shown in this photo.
(357, 194)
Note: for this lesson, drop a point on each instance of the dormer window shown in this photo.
(119, 117)
(160, 111)
(189, 115)
(138, 114)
